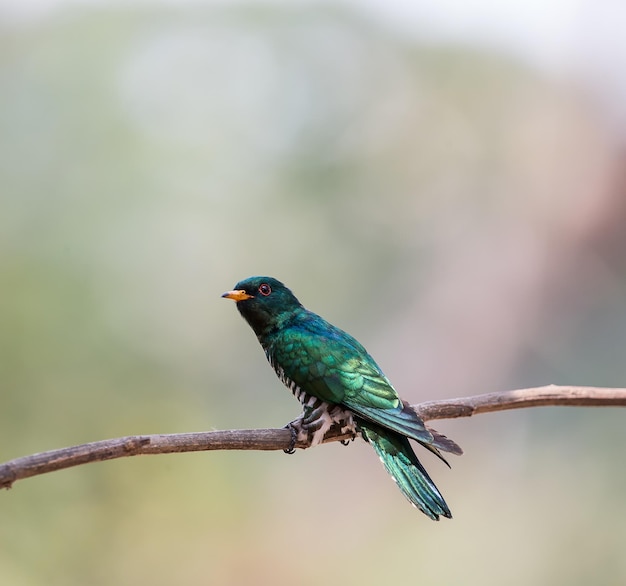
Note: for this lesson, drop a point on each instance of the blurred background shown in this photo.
(445, 180)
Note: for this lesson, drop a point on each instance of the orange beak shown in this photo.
(238, 295)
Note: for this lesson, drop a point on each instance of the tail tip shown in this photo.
(434, 514)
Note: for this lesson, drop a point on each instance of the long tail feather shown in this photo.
(396, 454)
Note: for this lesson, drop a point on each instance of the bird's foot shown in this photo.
(348, 427)
(299, 434)
(310, 428)
(316, 422)
(294, 438)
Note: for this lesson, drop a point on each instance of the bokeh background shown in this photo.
(445, 180)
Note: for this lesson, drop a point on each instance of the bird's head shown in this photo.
(264, 302)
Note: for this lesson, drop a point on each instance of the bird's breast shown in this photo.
(298, 393)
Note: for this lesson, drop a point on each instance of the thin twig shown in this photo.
(280, 439)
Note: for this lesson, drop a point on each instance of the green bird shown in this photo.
(339, 384)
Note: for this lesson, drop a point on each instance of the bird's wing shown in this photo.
(372, 403)
(331, 365)
(370, 395)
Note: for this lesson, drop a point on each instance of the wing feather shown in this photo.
(330, 364)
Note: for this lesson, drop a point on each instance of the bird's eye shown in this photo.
(265, 289)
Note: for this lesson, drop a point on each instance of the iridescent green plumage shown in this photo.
(336, 380)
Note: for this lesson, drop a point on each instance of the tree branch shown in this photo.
(280, 439)
(548, 396)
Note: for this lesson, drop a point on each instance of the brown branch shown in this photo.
(548, 396)
(279, 439)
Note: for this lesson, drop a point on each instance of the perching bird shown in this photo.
(338, 383)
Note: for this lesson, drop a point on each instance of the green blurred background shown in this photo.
(458, 207)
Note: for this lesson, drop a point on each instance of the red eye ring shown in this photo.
(265, 289)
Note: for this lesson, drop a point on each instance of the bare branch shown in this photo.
(279, 439)
(548, 396)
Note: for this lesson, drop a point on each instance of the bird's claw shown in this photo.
(294, 437)
(345, 442)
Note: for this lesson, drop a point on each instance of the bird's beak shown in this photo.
(238, 295)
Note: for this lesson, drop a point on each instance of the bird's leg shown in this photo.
(294, 438)
(316, 420)
(310, 427)
(299, 433)
(323, 418)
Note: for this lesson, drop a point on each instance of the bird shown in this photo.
(339, 384)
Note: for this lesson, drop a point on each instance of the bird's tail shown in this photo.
(399, 459)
